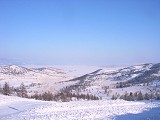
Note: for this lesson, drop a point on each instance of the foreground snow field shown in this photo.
(14, 108)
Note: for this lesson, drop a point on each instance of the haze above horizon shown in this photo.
(84, 32)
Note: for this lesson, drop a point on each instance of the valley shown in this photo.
(76, 92)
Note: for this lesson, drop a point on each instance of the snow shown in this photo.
(108, 69)
(13, 108)
(132, 89)
(14, 67)
(71, 70)
(158, 74)
(51, 78)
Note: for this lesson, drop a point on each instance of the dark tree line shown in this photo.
(20, 91)
(64, 97)
(46, 96)
(123, 84)
(137, 96)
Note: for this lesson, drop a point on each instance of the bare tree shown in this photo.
(6, 89)
(22, 92)
(1, 89)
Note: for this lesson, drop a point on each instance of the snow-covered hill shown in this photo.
(105, 83)
(13, 70)
(100, 81)
(41, 78)
(32, 77)
(14, 108)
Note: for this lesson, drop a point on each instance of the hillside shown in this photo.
(94, 94)
(144, 78)
(41, 78)
(103, 82)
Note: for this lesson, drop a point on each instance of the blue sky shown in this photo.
(80, 32)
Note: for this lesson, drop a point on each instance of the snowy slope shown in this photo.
(99, 81)
(13, 108)
(41, 78)
(87, 80)
(13, 70)
(103, 82)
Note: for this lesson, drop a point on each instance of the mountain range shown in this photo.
(103, 82)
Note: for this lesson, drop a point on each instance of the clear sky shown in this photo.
(80, 32)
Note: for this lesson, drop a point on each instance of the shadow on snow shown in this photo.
(151, 114)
